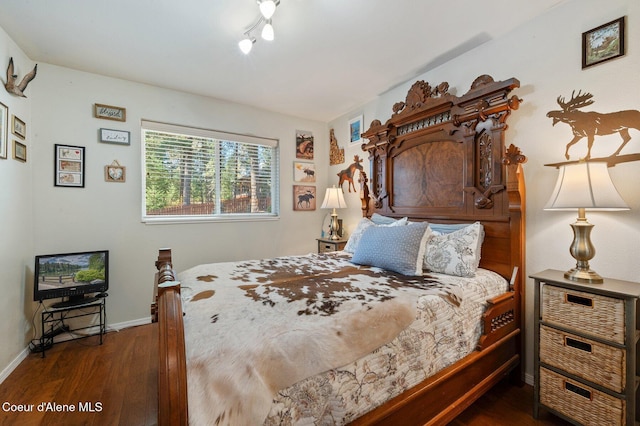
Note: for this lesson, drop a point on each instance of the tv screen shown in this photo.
(71, 275)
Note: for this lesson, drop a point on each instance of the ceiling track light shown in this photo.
(267, 9)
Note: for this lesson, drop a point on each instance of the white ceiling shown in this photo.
(328, 56)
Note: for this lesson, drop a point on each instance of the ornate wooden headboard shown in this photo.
(443, 158)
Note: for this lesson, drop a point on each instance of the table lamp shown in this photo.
(333, 199)
(584, 186)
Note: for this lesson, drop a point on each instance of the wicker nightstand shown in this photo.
(326, 245)
(585, 348)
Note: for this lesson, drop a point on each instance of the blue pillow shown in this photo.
(396, 248)
(442, 228)
(379, 219)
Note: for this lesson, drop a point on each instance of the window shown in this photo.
(193, 174)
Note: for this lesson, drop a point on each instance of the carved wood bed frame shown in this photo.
(439, 158)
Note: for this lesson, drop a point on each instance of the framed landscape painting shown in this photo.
(603, 43)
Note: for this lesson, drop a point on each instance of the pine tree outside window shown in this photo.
(193, 174)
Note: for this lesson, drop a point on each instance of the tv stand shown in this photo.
(74, 301)
(53, 319)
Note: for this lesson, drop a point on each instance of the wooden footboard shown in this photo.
(172, 368)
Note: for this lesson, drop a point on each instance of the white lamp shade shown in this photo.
(246, 45)
(267, 31)
(585, 185)
(333, 199)
(267, 8)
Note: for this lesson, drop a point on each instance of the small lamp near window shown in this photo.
(333, 199)
(584, 186)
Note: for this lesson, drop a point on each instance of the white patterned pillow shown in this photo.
(456, 253)
(364, 223)
(395, 248)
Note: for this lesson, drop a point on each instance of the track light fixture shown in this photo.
(267, 9)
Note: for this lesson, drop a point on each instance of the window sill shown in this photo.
(171, 220)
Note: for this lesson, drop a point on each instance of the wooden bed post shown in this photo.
(172, 366)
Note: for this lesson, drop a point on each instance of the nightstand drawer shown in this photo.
(326, 246)
(585, 358)
(579, 402)
(590, 313)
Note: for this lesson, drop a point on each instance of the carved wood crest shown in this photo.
(475, 120)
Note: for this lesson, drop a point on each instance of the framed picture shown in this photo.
(355, 130)
(603, 43)
(114, 172)
(304, 145)
(69, 166)
(119, 137)
(110, 112)
(4, 133)
(18, 127)
(19, 151)
(304, 198)
(304, 172)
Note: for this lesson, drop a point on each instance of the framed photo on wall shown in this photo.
(304, 172)
(19, 151)
(603, 43)
(355, 130)
(4, 133)
(18, 127)
(304, 145)
(304, 198)
(69, 166)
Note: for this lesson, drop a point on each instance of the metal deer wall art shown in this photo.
(589, 124)
(348, 174)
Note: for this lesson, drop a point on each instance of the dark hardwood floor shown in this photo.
(115, 384)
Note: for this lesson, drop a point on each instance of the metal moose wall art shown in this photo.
(589, 124)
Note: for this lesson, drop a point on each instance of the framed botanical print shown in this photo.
(69, 166)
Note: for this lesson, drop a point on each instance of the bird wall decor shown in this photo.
(18, 89)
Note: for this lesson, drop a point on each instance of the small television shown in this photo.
(72, 276)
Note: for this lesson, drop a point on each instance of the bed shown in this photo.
(440, 161)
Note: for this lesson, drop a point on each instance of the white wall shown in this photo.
(41, 218)
(108, 215)
(545, 56)
(16, 213)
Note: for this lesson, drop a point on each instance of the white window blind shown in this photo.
(200, 174)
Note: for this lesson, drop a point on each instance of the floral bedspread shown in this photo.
(266, 339)
(442, 334)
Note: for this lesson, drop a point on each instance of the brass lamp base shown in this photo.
(583, 276)
(582, 250)
(333, 226)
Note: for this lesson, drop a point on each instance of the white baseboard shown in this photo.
(528, 379)
(110, 327)
(14, 364)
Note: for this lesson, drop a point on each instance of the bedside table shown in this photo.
(585, 349)
(326, 245)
